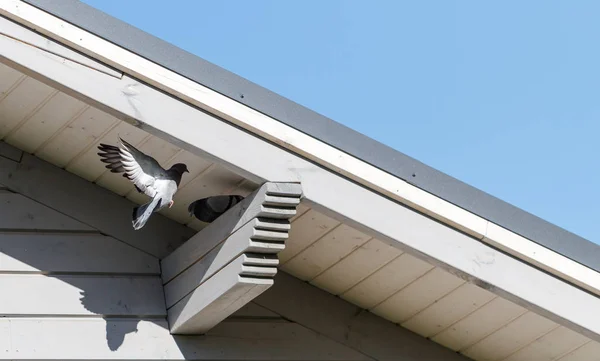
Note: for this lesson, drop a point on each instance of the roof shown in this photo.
(417, 260)
(326, 130)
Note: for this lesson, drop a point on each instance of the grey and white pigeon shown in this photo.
(210, 208)
(147, 176)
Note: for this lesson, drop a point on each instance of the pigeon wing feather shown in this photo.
(141, 169)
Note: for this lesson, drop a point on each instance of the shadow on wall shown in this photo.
(55, 265)
(116, 329)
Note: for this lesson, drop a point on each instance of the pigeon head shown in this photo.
(180, 168)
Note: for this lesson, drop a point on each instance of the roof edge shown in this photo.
(324, 129)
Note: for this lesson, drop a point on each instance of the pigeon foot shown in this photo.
(171, 203)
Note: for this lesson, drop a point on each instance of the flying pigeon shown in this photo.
(210, 208)
(147, 176)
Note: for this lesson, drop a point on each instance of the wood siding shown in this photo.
(72, 291)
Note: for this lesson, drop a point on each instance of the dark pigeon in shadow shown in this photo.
(210, 208)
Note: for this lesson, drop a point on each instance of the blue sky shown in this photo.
(504, 96)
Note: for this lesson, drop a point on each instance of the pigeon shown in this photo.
(147, 176)
(210, 208)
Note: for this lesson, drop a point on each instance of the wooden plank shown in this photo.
(520, 332)
(20, 33)
(588, 352)
(552, 345)
(386, 281)
(245, 211)
(81, 296)
(72, 253)
(21, 102)
(46, 121)
(253, 311)
(127, 339)
(441, 245)
(75, 197)
(417, 296)
(10, 152)
(299, 302)
(356, 267)
(76, 137)
(216, 299)
(446, 311)
(245, 239)
(18, 212)
(305, 231)
(325, 252)
(8, 79)
(479, 324)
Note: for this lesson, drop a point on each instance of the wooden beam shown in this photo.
(231, 261)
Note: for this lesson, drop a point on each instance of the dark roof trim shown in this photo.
(324, 129)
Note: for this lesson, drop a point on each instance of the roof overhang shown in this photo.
(339, 185)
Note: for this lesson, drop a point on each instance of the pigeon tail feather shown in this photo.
(142, 213)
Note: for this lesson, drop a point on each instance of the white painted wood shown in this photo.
(129, 340)
(254, 311)
(555, 343)
(300, 210)
(46, 121)
(358, 265)
(72, 253)
(219, 297)
(446, 311)
(306, 230)
(76, 137)
(386, 281)
(81, 296)
(243, 213)
(218, 257)
(77, 198)
(21, 102)
(415, 297)
(18, 212)
(479, 324)
(299, 302)
(439, 244)
(87, 164)
(17, 32)
(325, 252)
(265, 126)
(8, 80)
(520, 332)
(588, 352)
(542, 257)
(10, 152)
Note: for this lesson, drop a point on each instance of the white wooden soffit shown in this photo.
(302, 144)
(466, 256)
(231, 261)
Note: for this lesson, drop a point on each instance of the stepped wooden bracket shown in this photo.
(231, 261)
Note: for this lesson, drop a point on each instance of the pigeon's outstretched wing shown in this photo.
(141, 169)
(210, 208)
